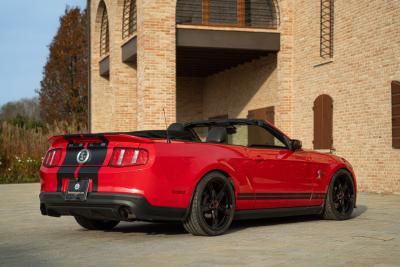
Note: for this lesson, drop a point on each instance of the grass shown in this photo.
(22, 149)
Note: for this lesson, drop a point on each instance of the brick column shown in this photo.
(284, 113)
(156, 63)
(123, 77)
(101, 97)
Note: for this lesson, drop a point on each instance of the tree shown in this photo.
(26, 107)
(63, 91)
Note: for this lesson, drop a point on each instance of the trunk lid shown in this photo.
(92, 149)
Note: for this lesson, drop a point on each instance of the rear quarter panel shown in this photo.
(178, 167)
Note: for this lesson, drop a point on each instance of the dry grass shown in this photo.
(22, 150)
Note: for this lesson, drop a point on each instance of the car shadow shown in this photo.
(241, 225)
(171, 228)
(244, 224)
(174, 228)
(359, 210)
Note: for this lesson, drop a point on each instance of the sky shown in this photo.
(26, 30)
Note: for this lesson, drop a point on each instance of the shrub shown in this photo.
(22, 149)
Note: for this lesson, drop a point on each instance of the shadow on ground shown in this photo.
(177, 228)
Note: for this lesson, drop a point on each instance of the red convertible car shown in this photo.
(204, 174)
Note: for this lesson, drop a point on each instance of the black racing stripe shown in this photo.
(69, 165)
(90, 170)
(279, 196)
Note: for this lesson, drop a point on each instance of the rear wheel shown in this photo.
(340, 200)
(91, 224)
(213, 206)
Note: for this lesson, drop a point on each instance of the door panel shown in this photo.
(281, 178)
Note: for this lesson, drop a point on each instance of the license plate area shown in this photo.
(77, 190)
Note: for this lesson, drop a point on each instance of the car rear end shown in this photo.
(104, 176)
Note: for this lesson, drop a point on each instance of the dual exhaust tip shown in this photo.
(126, 214)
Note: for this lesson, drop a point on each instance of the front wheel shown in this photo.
(213, 206)
(340, 199)
(99, 225)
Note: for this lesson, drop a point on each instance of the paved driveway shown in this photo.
(371, 238)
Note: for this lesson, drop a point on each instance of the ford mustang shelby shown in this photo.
(204, 174)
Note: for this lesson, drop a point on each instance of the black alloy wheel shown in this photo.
(213, 206)
(340, 199)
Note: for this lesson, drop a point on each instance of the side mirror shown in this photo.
(296, 144)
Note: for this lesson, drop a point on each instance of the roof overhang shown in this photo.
(202, 52)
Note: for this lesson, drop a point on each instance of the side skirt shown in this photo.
(278, 212)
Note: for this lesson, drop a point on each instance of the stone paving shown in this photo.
(370, 238)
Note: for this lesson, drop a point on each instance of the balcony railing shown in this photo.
(231, 13)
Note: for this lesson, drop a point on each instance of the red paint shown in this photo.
(173, 171)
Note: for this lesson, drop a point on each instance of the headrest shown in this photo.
(176, 127)
(217, 135)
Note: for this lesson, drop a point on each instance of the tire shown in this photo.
(213, 206)
(340, 198)
(98, 225)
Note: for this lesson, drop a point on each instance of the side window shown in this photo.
(245, 135)
(201, 132)
(260, 137)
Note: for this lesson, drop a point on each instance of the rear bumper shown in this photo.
(108, 207)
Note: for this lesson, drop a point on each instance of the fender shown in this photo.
(213, 168)
(335, 170)
(223, 167)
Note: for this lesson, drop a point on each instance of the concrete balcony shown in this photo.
(105, 67)
(203, 51)
(129, 50)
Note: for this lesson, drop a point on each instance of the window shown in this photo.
(104, 33)
(326, 28)
(236, 13)
(245, 135)
(223, 12)
(189, 11)
(129, 23)
(260, 13)
(323, 122)
(396, 114)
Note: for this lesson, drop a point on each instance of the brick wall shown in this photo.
(366, 59)
(156, 63)
(113, 100)
(189, 99)
(246, 87)
(366, 49)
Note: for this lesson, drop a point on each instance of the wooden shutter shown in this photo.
(323, 122)
(396, 114)
(266, 114)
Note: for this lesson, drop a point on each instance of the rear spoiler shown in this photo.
(96, 138)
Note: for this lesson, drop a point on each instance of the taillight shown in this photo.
(124, 157)
(52, 158)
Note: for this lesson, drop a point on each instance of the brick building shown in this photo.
(324, 71)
